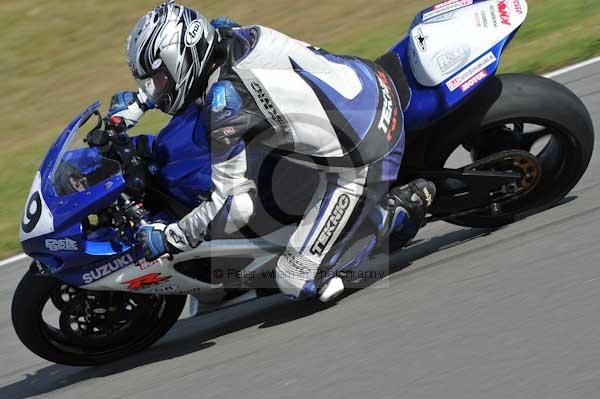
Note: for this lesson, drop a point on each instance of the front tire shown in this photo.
(497, 118)
(78, 347)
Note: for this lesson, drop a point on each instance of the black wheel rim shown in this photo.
(554, 147)
(78, 327)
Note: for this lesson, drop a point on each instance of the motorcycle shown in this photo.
(529, 140)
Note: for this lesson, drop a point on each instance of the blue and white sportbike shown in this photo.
(91, 298)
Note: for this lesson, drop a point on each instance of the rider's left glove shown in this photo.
(159, 239)
(127, 108)
(224, 23)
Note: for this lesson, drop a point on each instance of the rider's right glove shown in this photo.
(159, 239)
(126, 109)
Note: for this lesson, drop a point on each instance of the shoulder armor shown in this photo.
(223, 104)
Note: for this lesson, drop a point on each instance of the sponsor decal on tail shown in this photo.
(504, 12)
(475, 69)
(474, 80)
(445, 7)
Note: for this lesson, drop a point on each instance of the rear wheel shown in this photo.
(528, 114)
(67, 325)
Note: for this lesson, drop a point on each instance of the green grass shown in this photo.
(60, 55)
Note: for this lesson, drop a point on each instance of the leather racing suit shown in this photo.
(339, 115)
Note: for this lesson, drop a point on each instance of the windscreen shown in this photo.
(80, 167)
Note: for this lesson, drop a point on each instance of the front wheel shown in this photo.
(67, 325)
(525, 113)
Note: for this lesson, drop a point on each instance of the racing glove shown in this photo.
(126, 110)
(159, 239)
(224, 23)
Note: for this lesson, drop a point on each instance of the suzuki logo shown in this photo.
(107, 269)
(146, 281)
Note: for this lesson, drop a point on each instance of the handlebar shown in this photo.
(128, 212)
(114, 142)
(134, 212)
(129, 215)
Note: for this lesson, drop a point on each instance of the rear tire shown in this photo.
(32, 294)
(519, 99)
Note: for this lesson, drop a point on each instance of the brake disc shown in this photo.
(87, 321)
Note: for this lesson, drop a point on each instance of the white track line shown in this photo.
(572, 67)
(548, 75)
(12, 260)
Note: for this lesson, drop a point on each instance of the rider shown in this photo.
(339, 115)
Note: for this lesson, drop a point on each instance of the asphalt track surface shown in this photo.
(466, 313)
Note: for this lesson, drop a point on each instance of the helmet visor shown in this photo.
(158, 87)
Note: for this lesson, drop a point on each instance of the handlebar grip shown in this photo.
(116, 124)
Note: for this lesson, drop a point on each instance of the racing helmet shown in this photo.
(169, 53)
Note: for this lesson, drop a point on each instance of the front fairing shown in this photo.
(52, 227)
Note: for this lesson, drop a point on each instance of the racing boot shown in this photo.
(333, 288)
(402, 212)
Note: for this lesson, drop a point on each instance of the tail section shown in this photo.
(451, 49)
